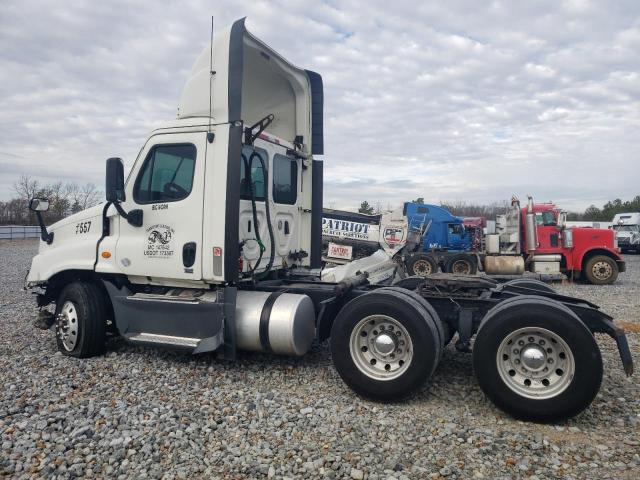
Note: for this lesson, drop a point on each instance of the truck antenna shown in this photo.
(210, 134)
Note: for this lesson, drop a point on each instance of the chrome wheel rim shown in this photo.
(602, 270)
(67, 329)
(535, 363)
(422, 268)
(381, 347)
(461, 267)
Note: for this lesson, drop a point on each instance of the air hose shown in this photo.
(248, 164)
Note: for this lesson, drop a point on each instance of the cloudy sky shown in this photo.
(456, 101)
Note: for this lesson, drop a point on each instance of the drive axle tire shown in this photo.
(385, 345)
(601, 270)
(421, 265)
(444, 332)
(530, 283)
(461, 265)
(536, 360)
(81, 320)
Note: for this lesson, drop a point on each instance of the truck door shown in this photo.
(167, 184)
(285, 175)
(547, 232)
(455, 232)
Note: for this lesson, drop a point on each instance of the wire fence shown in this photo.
(14, 232)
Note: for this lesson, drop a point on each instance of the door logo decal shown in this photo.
(159, 241)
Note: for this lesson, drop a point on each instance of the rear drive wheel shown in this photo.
(601, 270)
(444, 332)
(462, 265)
(421, 265)
(385, 345)
(536, 360)
(81, 320)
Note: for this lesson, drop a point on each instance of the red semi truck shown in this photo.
(535, 237)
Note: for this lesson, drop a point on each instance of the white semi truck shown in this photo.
(627, 228)
(212, 244)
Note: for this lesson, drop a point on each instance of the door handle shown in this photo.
(189, 254)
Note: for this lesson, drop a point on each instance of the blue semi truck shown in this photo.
(446, 243)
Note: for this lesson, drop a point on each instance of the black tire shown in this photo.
(600, 270)
(421, 265)
(418, 325)
(529, 283)
(538, 314)
(86, 319)
(444, 332)
(461, 264)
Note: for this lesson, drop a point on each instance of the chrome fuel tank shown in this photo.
(283, 323)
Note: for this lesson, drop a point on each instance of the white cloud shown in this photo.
(446, 102)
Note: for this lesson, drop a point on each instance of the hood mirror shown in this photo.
(39, 205)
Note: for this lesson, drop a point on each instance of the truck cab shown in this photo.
(588, 252)
(627, 230)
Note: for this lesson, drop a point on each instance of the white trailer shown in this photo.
(212, 244)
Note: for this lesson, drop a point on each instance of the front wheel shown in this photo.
(536, 360)
(81, 320)
(601, 270)
(385, 345)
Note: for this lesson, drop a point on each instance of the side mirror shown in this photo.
(562, 219)
(114, 182)
(39, 205)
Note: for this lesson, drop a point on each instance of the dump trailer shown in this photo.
(213, 244)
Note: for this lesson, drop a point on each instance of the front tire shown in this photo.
(536, 360)
(385, 345)
(81, 320)
(601, 270)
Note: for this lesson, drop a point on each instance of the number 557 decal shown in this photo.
(83, 227)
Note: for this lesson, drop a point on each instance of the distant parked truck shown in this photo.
(415, 227)
(536, 238)
(627, 228)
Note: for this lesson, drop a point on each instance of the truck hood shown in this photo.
(83, 215)
(595, 237)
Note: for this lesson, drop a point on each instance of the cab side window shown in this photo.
(285, 180)
(257, 177)
(167, 174)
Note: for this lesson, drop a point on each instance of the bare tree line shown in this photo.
(64, 199)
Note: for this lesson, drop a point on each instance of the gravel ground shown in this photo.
(148, 413)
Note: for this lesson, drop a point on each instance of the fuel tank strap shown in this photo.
(264, 320)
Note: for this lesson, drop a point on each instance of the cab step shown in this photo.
(156, 339)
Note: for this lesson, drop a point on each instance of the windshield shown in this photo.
(546, 219)
(627, 228)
